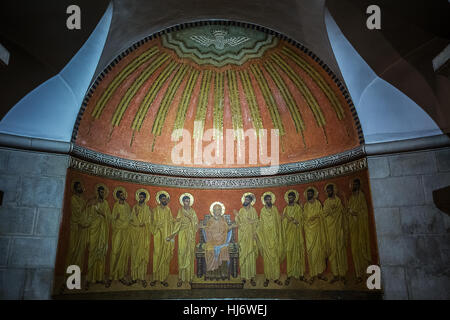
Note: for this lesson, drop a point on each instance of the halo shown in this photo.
(220, 204)
(72, 185)
(287, 193)
(350, 184)
(104, 186)
(270, 194)
(249, 194)
(161, 192)
(335, 188)
(190, 197)
(120, 188)
(147, 194)
(316, 192)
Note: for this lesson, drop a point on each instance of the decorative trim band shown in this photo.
(158, 169)
(217, 183)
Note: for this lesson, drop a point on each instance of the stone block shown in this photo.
(378, 167)
(38, 284)
(412, 164)
(443, 160)
(397, 192)
(48, 220)
(394, 283)
(15, 220)
(396, 250)
(422, 220)
(30, 163)
(42, 192)
(426, 251)
(12, 282)
(9, 185)
(434, 182)
(33, 252)
(3, 159)
(427, 285)
(388, 221)
(4, 250)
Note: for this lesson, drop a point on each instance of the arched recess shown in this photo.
(127, 125)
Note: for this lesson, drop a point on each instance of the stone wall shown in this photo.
(413, 235)
(29, 221)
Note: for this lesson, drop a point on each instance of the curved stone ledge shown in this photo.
(145, 167)
(217, 183)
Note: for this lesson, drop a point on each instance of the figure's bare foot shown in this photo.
(243, 281)
(334, 279)
(152, 284)
(144, 283)
(344, 281)
(180, 283)
(302, 278)
(286, 283)
(108, 283)
(164, 283)
(311, 280)
(86, 286)
(321, 277)
(122, 281)
(253, 282)
(278, 282)
(131, 282)
(266, 283)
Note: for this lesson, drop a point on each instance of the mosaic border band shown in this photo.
(216, 183)
(181, 26)
(159, 169)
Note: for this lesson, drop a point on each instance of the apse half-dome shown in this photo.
(223, 77)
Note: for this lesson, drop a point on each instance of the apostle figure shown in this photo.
(217, 235)
(292, 219)
(359, 230)
(247, 221)
(269, 234)
(79, 223)
(140, 237)
(121, 240)
(186, 226)
(163, 247)
(336, 225)
(315, 235)
(99, 216)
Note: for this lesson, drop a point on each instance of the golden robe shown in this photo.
(100, 216)
(295, 246)
(79, 233)
(163, 250)
(335, 220)
(248, 249)
(186, 226)
(315, 236)
(270, 237)
(359, 233)
(121, 240)
(140, 225)
(216, 235)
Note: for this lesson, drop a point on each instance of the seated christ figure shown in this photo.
(217, 235)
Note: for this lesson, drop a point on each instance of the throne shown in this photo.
(233, 249)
